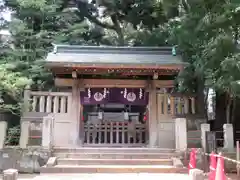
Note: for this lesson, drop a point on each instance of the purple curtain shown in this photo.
(131, 96)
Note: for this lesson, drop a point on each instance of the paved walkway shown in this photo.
(24, 176)
(141, 176)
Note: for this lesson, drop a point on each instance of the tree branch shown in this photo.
(86, 12)
(118, 29)
(186, 6)
(99, 23)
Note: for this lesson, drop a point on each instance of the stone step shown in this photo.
(115, 155)
(69, 161)
(112, 169)
(112, 150)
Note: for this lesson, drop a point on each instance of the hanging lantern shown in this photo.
(89, 93)
(145, 117)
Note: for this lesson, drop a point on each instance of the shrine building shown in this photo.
(109, 97)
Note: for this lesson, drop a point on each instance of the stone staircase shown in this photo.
(114, 160)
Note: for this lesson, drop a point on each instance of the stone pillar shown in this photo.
(153, 123)
(204, 128)
(47, 132)
(196, 174)
(10, 174)
(75, 113)
(3, 128)
(228, 137)
(24, 134)
(181, 134)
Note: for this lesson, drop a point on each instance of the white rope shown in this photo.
(213, 169)
(225, 158)
(216, 155)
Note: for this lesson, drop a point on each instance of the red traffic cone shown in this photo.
(192, 162)
(220, 175)
(213, 165)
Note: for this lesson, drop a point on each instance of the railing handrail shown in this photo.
(41, 93)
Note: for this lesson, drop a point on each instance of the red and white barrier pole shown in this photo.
(192, 162)
(213, 166)
(220, 174)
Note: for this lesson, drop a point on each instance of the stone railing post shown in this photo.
(10, 174)
(181, 134)
(204, 128)
(47, 132)
(24, 134)
(228, 137)
(3, 129)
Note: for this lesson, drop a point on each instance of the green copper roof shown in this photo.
(71, 54)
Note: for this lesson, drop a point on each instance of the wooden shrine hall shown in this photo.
(110, 96)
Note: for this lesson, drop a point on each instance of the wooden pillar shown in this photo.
(81, 123)
(75, 112)
(153, 123)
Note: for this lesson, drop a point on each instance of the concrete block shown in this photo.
(196, 174)
(52, 161)
(228, 137)
(10, 174)
(177, 162)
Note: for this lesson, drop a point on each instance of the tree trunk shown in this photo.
(120, 37)
(228, 109)
(206, 105)
(118, 30)
(220, 111)
(200, 98)
(233, 110)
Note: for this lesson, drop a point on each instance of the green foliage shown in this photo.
(205, 33)
(13, 136)
(36, 24)
(206, 37)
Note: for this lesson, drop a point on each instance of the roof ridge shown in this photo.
(63, 48)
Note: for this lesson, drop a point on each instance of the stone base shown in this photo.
(24, 160)
(114, 160)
